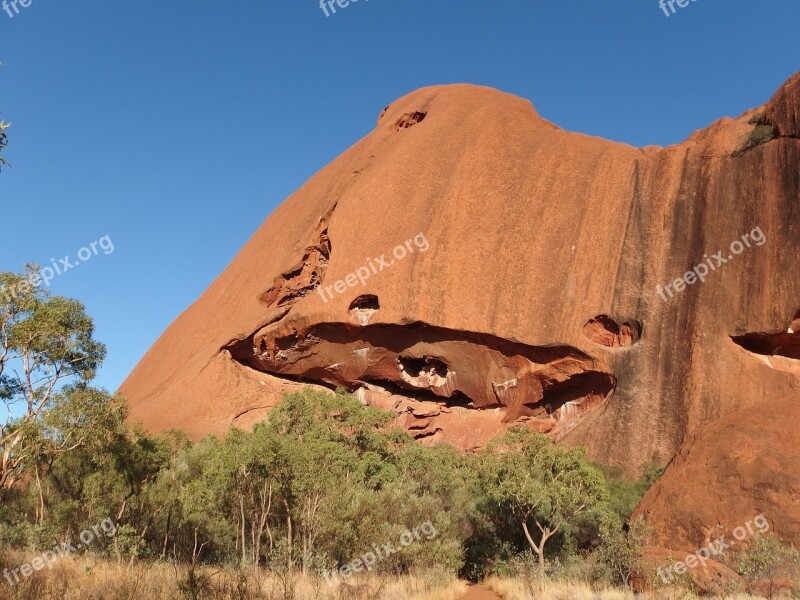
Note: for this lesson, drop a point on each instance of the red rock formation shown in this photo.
(741, 466)
(708, 576)
(533, 232)
(607, 332)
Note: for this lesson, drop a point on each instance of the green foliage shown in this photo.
(526, 476)
(761, 134)
(322, 482)
(47, 358)
(767, 557)
(625, 494)
(622, 547)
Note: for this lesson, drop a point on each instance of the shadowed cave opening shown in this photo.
(770, 344)
(784, 343)
(456, 399)
(362, 308)
(366, 302)
(422, 366)
(427, 363)
(588, 385)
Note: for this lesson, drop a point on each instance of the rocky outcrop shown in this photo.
(607, 332)
(707, 577)
(550, 388)
(741, 466)
(557, 290)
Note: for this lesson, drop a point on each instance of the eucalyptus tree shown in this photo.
(48, 356)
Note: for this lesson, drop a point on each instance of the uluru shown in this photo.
(381, 300)
(470, 265)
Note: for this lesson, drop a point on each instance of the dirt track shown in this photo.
(479, 592)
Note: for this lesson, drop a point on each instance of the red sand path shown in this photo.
(479, 592)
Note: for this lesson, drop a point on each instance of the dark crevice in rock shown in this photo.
(770, 344)
(784, 343)
(249, 410)
(429, 363)
(307, 275)
(363, 307)
(395, 388)
(592, 385)
(410, 119)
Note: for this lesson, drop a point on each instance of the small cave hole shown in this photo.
(588, 385)
(415, 367)
(605, 331)
(286, 343)
(784, 343)
(363, 307)
(771, 344)
(366, 302)
(410, 119)
(425, 372)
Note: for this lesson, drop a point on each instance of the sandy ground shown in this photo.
(478, 592)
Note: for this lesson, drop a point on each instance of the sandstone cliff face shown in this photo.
(741, 466)
(535, 300)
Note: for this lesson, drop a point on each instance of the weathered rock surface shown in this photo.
(534, 233)
(708, 577)
(728, 473)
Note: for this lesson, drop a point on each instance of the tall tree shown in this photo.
(46, 343)
(541, 483)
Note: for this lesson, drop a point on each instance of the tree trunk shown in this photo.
(40, 519)
(288, 530)
(244, 539)
(538, 549)
(166, 535)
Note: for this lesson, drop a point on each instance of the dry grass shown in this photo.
(82, 578)
(87, 579)
(534, 589)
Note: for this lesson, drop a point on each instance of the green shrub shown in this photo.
(768, 558)
(625, 493)
(761, 134)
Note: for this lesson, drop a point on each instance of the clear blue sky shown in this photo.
(176, 127)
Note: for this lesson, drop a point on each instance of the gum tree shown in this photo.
(46, 345)
(538, 483)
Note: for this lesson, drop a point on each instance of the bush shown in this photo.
(768, 558)
(622, 547)
(761, 134)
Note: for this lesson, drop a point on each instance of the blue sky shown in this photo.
(176, 127)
